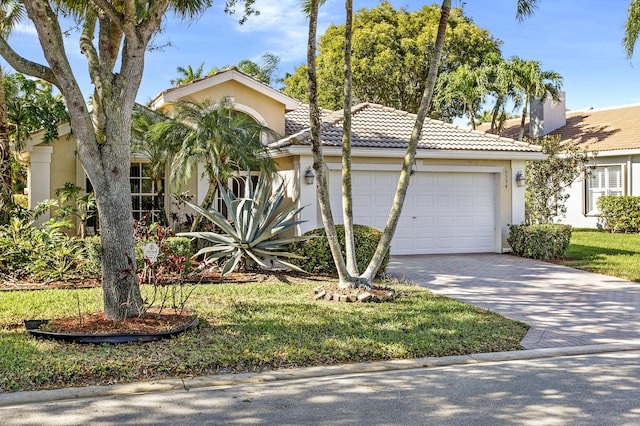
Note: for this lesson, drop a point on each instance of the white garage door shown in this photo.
(443, 212)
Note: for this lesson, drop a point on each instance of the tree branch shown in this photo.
(114, 16)
(88, 49)
(26, 66)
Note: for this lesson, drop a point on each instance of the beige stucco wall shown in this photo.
(63, 163)
(263, 109)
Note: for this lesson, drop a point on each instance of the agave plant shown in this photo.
(252, 231)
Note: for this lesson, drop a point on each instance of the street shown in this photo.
(602, 389)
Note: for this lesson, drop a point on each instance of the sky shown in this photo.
(580, 39)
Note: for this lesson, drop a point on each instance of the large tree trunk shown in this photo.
(347, 196)
(103, 137)
(409, 158)
(6, 192)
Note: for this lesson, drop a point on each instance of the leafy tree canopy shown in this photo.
(31, 105)
(391, 54)
(264, 71)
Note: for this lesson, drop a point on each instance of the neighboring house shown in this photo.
(462, 195)
(611, 134)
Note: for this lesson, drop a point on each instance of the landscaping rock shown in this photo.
(351, 295)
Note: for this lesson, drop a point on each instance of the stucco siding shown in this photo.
(271, 111)
(576, 214)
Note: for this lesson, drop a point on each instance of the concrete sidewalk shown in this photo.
(563, 306)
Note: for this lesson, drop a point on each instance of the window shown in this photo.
(603, 180)
(236, 184)
(145, 200)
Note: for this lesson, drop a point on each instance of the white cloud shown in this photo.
(25, 28)
(283, 27)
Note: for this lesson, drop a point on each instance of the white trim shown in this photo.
(37, 137)
(616, 153)
(264, 137)
(459, 168)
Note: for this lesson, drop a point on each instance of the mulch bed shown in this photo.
(154, 320)
(209, 277)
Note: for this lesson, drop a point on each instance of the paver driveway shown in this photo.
(563, 306)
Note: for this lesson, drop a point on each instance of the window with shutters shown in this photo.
(603, 180)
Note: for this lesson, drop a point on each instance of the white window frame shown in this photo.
(146, 187)
(606, 188)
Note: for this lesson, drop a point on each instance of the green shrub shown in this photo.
(92, 255)
(620, 213)
(545, 241)
(317, 255)
(39, 253)
(22, 200)
(178, 246)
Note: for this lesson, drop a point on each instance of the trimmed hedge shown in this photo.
(317, 255)
(546, 241)
(620, 213)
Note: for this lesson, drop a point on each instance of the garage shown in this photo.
(444, 212)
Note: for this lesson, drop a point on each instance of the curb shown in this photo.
(165, 385)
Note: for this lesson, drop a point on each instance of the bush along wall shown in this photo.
(317, 254)
(619, 213)
(545, 241)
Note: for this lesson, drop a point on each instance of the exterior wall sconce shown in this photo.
(309, 176)
(520, 179)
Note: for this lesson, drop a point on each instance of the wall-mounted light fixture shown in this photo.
(309, 176)
(520, 179)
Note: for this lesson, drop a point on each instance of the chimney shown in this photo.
(547, 116)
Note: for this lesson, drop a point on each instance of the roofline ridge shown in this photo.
(592, 109)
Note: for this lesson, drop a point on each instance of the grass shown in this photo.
(605, 253)
(247, 328)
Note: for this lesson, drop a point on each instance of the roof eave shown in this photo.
(420, 153)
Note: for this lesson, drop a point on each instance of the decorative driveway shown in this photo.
(563, 306)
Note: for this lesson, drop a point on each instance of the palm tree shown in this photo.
(187, 75)
(465, 85)
(532, 82)
(226, 141)
(632, 27)
(525, 7)
(158, 150)
(11, 12)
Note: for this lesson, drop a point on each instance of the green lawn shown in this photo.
(610, 254)
(247, 328)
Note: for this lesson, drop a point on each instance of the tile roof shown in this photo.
(298, 119)
(377, 126)
(607, 129)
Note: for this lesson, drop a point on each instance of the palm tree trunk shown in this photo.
(347, 196)
(209, 198)
(409, 158)
(6, 192)
(472, 118)
(318, 158)
(524, 116)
